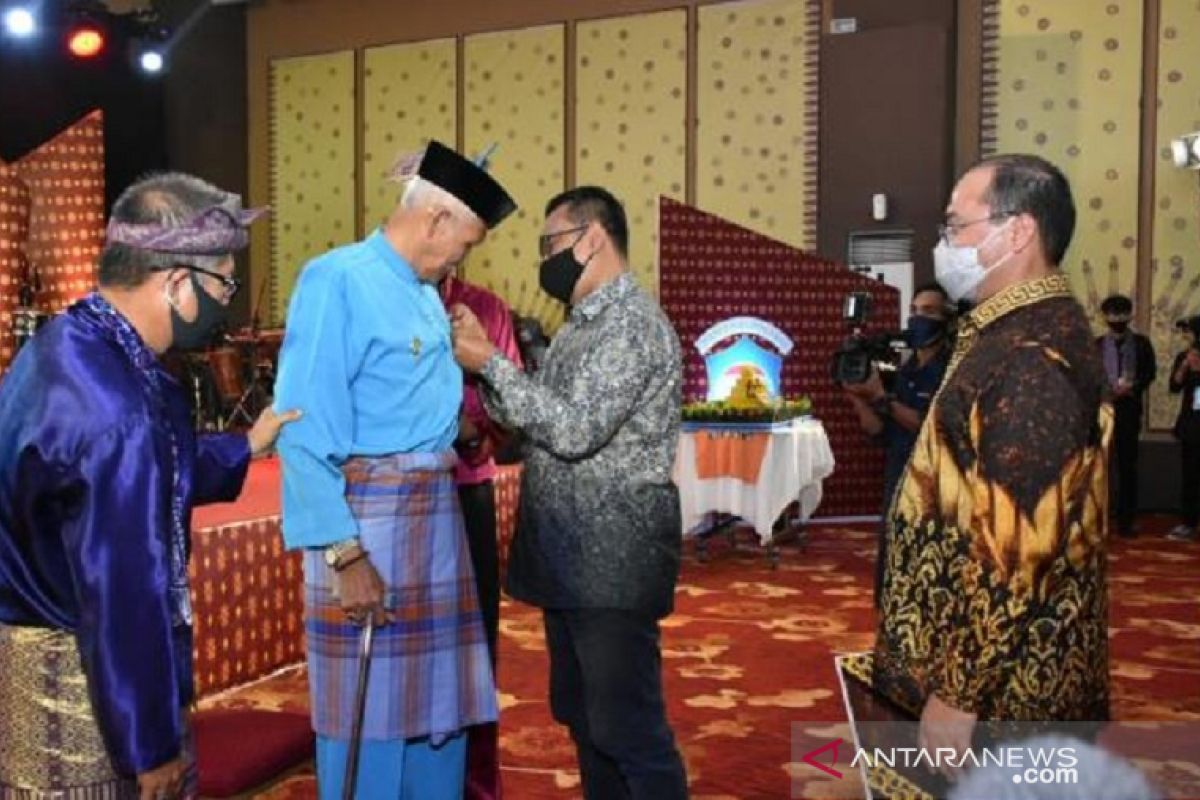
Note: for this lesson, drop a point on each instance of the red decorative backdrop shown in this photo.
(711, 269)
(248, 600)
(66, 180)
(14, 230)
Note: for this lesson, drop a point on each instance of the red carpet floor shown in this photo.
(748, 654)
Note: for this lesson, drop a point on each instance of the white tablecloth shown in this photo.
(796, 460)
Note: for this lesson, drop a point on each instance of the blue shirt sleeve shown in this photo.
(315, 374)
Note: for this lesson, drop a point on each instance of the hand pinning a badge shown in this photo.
(472, 348)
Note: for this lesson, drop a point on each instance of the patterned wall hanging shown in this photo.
(312, 164)
(756, 132)
(514, 97)
(713, 269)
(410, 95)
(631, 120)
(14, 233)
(1063, 80)
(65, 177)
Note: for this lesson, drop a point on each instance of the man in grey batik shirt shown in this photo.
(598, 535)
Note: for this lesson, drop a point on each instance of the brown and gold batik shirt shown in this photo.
(994, 596)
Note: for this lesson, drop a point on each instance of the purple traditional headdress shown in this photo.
(213, 232)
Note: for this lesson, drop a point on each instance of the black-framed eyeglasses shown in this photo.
(950, 230)
(229, 284)
(547, 239)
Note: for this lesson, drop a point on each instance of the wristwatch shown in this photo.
(338, 554)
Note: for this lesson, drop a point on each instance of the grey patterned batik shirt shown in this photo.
(599, 523)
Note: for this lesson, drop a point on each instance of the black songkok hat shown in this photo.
(470, 183)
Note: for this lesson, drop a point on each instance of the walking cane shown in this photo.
(365, 643)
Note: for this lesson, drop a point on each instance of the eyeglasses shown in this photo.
(950, 230)
(547, 239)
(229, 284)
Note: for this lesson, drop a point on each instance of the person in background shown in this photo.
(479, 438)
(895, 417)
(99, 471)
(1130, 366)
(1185, 382)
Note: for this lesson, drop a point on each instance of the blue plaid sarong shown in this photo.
(430, 673)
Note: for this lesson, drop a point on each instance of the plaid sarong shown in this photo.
(430, 673)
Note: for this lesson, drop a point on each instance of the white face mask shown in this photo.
(958, 270)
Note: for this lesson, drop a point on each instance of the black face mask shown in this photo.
(1118, 328)
(559, 273)
(210, 313)
(924, 331)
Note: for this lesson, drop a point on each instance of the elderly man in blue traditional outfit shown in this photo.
(99, 471)
(369, 492)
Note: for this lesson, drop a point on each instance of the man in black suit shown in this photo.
(1131, 368)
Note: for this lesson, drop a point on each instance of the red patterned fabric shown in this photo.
(240, 749)
(711, 269)
(508, 491)
(14, 229)
(248, 601)
(66, 179)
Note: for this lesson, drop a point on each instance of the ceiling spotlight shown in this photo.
(19, 22)
(1185, 151)
(151, 61)
(85, 40)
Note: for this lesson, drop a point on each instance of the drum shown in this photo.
(225, 364)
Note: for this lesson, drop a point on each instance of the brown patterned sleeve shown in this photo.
(1031, 429)
(1032, 424)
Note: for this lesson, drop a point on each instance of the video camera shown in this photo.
(861, 352)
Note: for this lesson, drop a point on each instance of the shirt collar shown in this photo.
(1016, 297)
(383, 248)
(102, 316)
(594, 304)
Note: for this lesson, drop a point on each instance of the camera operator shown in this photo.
(1185, 380)
(895, 417)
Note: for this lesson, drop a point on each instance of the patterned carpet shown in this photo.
(748, 653)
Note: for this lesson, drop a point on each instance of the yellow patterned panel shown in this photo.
(756, 138)
(1068, 84)
(630, 120)
(409, 97)
(1175, 255)
(514, 97)
(312, 164)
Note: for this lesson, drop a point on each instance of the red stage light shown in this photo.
(85, 41)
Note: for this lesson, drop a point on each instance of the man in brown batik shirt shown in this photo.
(994, 599)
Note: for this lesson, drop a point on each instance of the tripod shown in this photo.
(256, 396)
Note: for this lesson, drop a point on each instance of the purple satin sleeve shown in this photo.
(221, 463)
(116, 547)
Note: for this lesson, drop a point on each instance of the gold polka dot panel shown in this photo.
(312, 164)
(1065, 85)
(630, 120)
(65, 177)
(514, 97)
(409, 96)
(756, 136)
(1175, 253)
